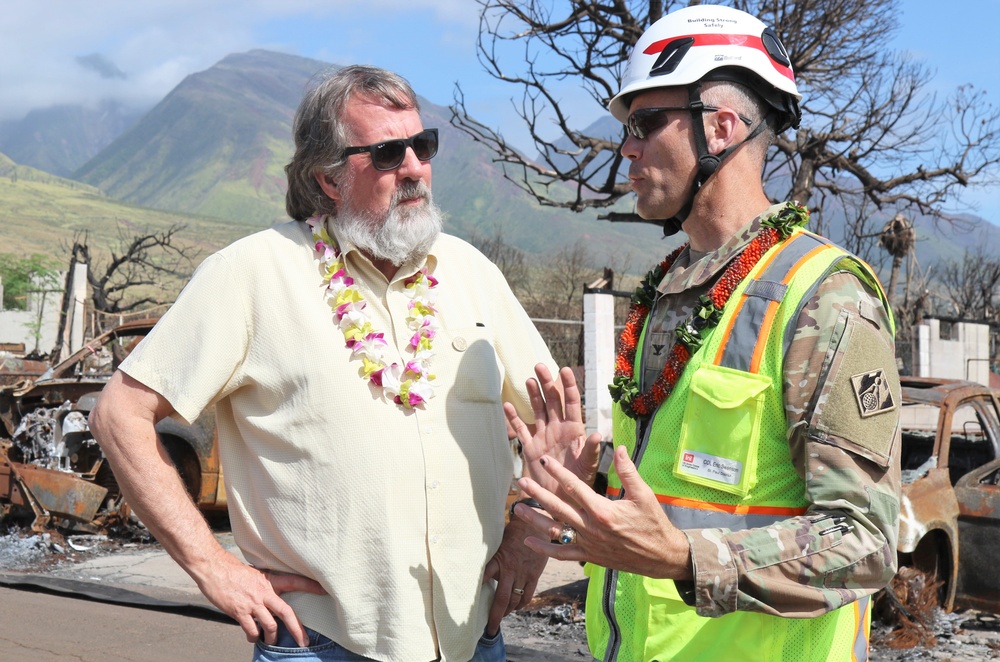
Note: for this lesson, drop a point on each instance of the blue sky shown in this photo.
(52, 52)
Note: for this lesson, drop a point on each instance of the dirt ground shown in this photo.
(961, 636)
(552, 623)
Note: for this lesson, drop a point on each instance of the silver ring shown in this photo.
(517, 591)
(567, 536)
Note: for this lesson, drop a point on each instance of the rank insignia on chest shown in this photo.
(872, 392)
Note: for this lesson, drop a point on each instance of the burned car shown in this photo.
(53, 472)
(15, 370)
(949, 526)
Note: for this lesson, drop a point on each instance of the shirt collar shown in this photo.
(685, 275)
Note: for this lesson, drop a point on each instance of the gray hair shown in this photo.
(743, 100)
(320, 134)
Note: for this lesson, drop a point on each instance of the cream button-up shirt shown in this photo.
(395, 512)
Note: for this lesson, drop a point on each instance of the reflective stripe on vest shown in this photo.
(688, 514)
(862, 617)
(750, 326)
(741, 349)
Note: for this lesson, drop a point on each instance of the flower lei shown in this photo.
(688, 336)
(409, 385)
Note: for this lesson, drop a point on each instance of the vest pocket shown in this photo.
(720, 431)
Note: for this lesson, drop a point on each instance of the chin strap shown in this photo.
(707, 163)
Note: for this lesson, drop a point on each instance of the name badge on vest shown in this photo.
(711, 467)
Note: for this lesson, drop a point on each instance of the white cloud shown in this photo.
(157, 43)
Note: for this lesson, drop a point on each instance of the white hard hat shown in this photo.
(711, 42)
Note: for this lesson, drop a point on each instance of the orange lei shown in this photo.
(689, 336)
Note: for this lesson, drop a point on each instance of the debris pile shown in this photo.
(19, 552)
(909, 605)
(37, 439)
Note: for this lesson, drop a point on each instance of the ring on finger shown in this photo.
(517, 591)
(567, 536)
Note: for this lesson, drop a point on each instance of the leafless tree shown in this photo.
(553, 300)
(509, 259)
(144, 268)
(972, 285)
(871, 130)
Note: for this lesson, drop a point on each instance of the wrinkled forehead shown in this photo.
(368, 120)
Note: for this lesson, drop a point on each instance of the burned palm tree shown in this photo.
(898, 238)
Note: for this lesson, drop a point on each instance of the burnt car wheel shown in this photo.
(931, 557)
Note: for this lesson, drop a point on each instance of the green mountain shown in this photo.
(43, 213)
(216, 147)
(218, 143)
(62, 138)
(472, 189)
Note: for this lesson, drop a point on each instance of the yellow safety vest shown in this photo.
(716, 455)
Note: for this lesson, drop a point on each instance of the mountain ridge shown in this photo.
(215, 148)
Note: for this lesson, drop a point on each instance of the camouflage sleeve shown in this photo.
(841, 395)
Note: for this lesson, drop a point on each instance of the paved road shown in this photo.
(43, 627)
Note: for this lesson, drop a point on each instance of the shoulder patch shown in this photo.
(872, 393)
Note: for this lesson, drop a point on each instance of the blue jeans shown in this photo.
(322, 649)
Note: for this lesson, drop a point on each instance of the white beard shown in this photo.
(402, 233)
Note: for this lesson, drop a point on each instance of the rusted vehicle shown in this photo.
(16, 370)
(53, 470)
(950, 514)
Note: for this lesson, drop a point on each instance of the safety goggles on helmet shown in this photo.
(389, 154)
(644, 121)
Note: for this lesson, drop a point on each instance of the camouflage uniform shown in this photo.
(850, 464)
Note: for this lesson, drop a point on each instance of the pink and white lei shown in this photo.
(408, 385)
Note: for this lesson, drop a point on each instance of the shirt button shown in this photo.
(434, 540)
(460, 344)
(434, 485)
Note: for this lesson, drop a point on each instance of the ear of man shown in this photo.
(328, 185)
(722, 129)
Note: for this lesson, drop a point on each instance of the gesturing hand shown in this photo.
(632, 534)
(559, 430)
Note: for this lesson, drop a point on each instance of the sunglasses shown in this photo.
(389, 155)
(644, 121)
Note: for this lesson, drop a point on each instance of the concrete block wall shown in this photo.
(15, 325)
(963, 354)
(598, 360)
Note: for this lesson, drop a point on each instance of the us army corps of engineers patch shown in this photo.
(871, 390)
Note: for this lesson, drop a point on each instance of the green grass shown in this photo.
(41, 213)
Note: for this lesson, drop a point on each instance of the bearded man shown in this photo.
(358, 360)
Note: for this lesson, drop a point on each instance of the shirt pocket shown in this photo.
(720, 430)
(469, 362)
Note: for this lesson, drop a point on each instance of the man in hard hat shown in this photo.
(754, 497)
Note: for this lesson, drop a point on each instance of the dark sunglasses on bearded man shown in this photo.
(389, 154)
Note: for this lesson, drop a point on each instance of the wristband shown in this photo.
(528, 502)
